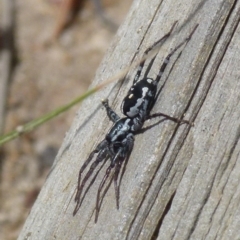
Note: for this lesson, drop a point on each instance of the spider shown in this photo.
(119, 141)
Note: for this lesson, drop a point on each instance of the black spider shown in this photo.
(119, 141)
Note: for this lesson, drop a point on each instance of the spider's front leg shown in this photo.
(123, 151)
(101, 149)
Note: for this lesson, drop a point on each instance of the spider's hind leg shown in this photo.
(149, 49)
(160, 73)
(174, 119)
(167, 59)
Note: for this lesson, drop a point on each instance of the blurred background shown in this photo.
(49, 52)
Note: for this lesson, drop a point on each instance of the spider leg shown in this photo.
(116, 186)
(99, 191)
(174, 119)
(80, 187)
(108, 171)
(90, 184)
(167, 59)
(160, 73)
(111, 114)
(101, 148)
(126, 152)
(105, 191)
(82, 169)
(140, 66)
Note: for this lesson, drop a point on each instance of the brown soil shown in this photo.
(49, 73)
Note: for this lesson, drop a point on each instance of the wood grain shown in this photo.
(180, 182)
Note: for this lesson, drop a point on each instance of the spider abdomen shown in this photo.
(140, 97)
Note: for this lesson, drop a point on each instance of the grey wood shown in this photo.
(181, 182)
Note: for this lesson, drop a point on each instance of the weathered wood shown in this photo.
(180, 182)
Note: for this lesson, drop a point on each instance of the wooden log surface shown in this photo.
(180, 182)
